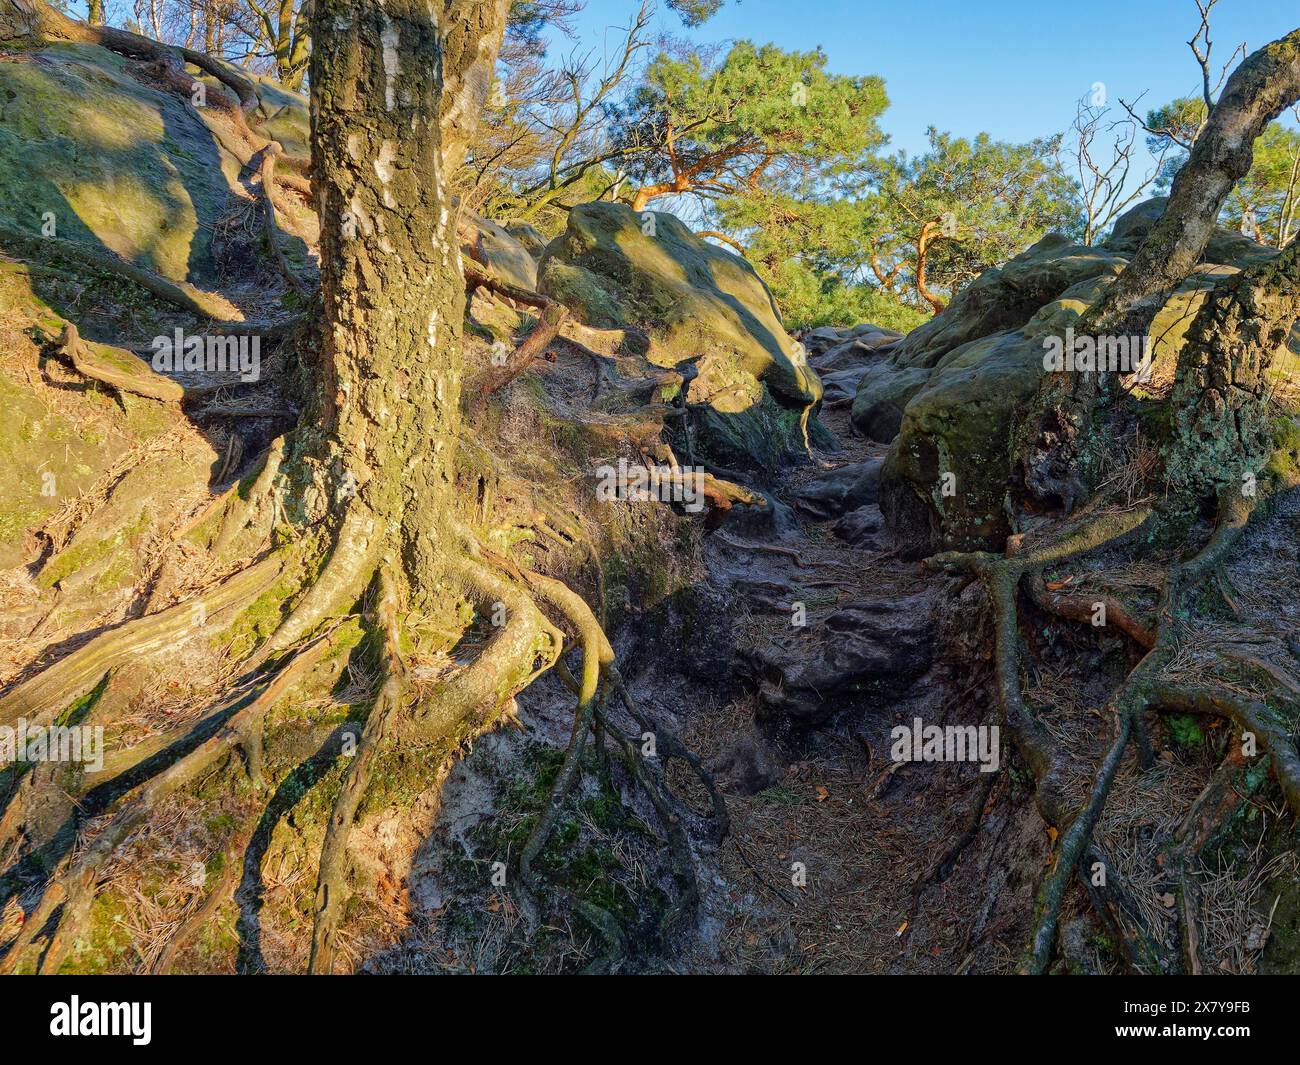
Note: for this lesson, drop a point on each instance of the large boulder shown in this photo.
(883, 394)
(957, 386)
(496, 251)
(1006, 296)
(1225, 245)
(615, 268)
(529, 236)
(89, 147)
(945, 478)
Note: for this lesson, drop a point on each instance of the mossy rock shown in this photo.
(499, 253)
(1006, 297)
(615, 268)
(959, 425)
(532, 239)
(109, 160)
(883, 395)
(987, 353)
(288, 119)
(102, 557)
(1224, 245)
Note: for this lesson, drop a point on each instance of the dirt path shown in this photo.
(811, 787)
(807, 650)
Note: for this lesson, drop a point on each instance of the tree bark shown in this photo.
(23, 18)
(1221, 434)
(393, 91)
(1052, 466)
(930, 232)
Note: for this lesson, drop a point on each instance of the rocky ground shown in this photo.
(780, 633)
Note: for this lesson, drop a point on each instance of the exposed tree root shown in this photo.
(208, 908)
(598, 343)
(265, 185)
(501, 668)
(1081, 607)
(1250, 715)
(600, 677)
(547, 329)
(241, 512)
(331, 882)
(683, 867)
(178, 293)
(1134, 940)
(1145, 688)
(1205, 820)
(669, 747)
(126, 372)
(597, 657)
(1075, 840)
(48, 692)
(340, 583)
(74, 889)
(140, 380)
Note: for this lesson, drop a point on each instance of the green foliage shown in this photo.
(807, 300)
(1178, 121)
(760, 116)
(783, 158)
(695, 12)
(1265, 204)
(1186, 730)
(847, 250)
(987, 199)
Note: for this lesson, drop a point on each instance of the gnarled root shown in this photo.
(1146, 688)
(46, 693)
(332, 876)
(340, 583)
(1052, 892)
(242, 511)
(178, 293)
(266, 185)
(143, 381)
(504, 666)
(600, 677)
(75, 888)
(1252, 716)
(597, 657)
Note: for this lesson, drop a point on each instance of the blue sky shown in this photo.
(1013, 68)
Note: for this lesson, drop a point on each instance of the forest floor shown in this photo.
(838, 858)
(828, 837)
(829, 863)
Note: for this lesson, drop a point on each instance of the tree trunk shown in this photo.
(930, 232)
(647, 193)
(385, 139)
(23, 18)
(1221, 433)
(1052, 467)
